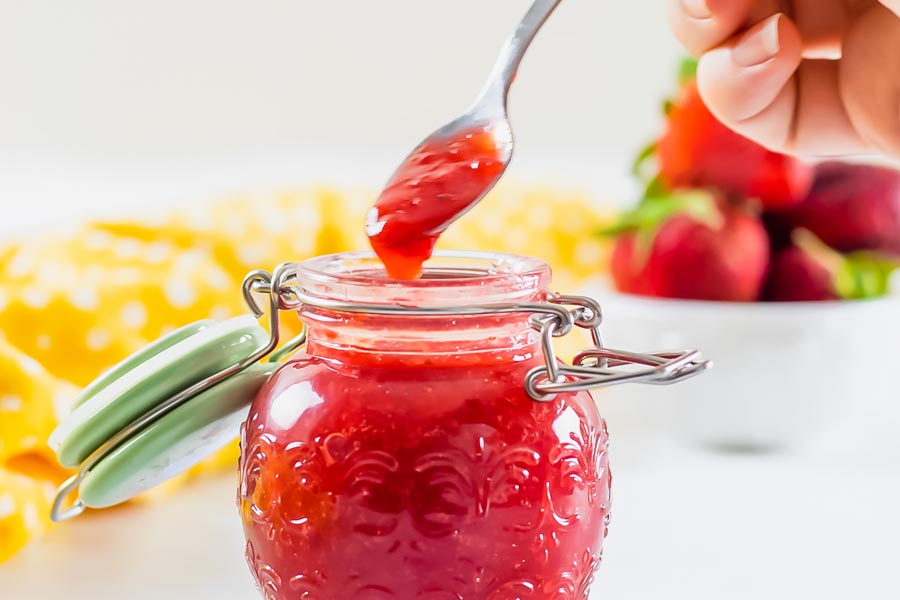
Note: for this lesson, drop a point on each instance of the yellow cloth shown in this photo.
(30, 402)
(72, 305)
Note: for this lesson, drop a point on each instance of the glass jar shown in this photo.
(400, 456)
(425, 444)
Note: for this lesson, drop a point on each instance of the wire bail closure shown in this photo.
(594, 367)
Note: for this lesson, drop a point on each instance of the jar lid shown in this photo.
(118, 433)
(175, 442)
(138, 358)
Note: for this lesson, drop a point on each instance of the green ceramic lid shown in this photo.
(175, 442)
(139, 358)
(149, 378)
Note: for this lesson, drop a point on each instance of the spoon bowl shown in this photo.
(489, 112)
(454, 168)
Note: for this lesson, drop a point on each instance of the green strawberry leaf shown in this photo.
(827, 257)
(857, 276)
(655, 189)
(640, 166)
(655, 210)
(866, 275)
(668, 107)
(687, 71)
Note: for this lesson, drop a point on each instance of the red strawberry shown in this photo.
(697, 151)
(627, 278)
(810, 271)
(796, 276)
(852, 207)
(691, 246)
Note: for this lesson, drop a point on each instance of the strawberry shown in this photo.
(697, 151)
(852, 207)
(810, 271)
(691, 246)
(627, 278)
(797, 276)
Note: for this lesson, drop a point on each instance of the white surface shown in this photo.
(820, 523)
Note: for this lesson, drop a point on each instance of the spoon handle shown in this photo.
(497, 88)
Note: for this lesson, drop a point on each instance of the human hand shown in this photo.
(816, 77)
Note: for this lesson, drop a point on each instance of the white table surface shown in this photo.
(821, 522)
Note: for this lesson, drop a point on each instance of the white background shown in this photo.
(182, 100)
(200, 78)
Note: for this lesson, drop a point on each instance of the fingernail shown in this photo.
(697, 9)
(760, 44)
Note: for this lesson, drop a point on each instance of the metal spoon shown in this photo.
(490, 109)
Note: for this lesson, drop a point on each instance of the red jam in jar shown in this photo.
(400, 457)
(436, 184)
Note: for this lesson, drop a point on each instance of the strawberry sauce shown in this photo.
(438, 182)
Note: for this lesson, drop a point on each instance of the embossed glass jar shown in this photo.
(401, 457)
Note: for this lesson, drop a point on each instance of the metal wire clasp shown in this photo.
(600, 366)
(595, 367)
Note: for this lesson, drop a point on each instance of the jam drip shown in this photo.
(438, 182)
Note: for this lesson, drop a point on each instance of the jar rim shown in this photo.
(450, 278)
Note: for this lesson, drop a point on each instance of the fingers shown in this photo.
(821, 25)
(893, 5)
(748, 82)
(822, 126)
(700, 25)
(703, 24)
(870, 78)
(759, 85)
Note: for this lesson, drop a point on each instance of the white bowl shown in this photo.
(782, 373)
